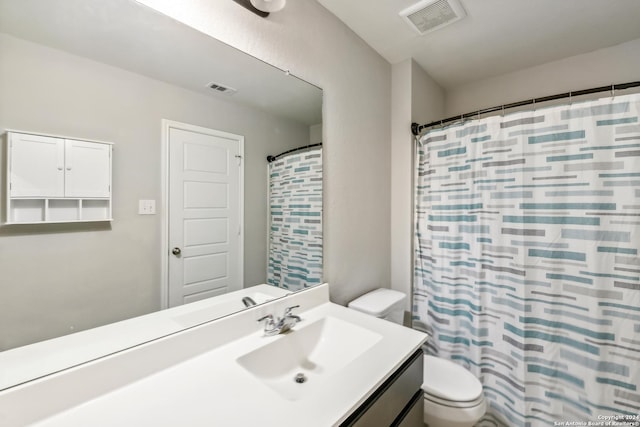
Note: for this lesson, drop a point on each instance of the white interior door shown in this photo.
(205, 214)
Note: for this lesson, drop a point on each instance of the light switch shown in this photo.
(147, 207)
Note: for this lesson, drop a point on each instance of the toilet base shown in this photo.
(436, 415)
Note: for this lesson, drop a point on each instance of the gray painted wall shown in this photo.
(416, 97)
(616, 64)
(56, 279)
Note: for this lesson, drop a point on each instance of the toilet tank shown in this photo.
(383, 303)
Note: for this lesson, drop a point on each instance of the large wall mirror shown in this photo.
(117, 71)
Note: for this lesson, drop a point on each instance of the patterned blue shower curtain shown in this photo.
(295, 233)
(526, 259)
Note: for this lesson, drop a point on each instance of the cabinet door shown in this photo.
(391, 403)
(36, 166)
(87, 169)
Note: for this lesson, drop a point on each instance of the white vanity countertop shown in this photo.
(182, 384)
(22, 364)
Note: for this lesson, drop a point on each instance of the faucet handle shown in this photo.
(268, 318)
(270, 326)
(288, 310)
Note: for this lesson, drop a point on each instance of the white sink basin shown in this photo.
(316, 351)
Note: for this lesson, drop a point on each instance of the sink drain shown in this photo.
(300, 378)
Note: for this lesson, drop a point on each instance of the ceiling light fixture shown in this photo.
(247, 5)
(269, 5)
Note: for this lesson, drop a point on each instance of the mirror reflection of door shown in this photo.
(205, 213)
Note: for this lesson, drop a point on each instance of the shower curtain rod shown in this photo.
(274, 158)
(416, 128)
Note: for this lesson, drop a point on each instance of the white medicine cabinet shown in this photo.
(53, 179)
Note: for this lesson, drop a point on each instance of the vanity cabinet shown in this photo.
(55, 179)
(398, 402)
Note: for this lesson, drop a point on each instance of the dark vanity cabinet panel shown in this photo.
(397, 402)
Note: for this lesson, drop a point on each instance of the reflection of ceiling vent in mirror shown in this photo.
(222, 89)
(431, 15)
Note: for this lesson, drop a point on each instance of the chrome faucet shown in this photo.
(283, 324)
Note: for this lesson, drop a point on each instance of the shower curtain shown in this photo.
(526, 259)
(295, 233)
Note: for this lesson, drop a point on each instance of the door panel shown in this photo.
(206, 231)
(209, 267)
(202, 158)
(205, 199)
(205, 195)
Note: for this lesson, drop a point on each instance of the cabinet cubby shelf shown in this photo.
(60, 222)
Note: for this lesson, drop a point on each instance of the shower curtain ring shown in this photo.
(534, 105)
(570, 98)
(613, 91)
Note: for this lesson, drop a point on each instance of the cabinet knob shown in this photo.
(176, 251)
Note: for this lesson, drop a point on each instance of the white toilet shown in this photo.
(452, 395)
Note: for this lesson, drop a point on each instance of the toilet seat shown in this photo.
(449, 384)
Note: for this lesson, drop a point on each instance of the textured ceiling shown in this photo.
(496, 37)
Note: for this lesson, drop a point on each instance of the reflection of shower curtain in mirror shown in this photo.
(295, 233)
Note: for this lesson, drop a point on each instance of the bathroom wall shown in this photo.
(427, 98)
(314, 45)
(416, 98)
(57, 279)
(617, 64)
(315, 134)
(401, 177)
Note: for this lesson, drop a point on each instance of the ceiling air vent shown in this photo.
(431, 15)
(222, 89)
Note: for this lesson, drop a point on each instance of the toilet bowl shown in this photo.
(452, 395)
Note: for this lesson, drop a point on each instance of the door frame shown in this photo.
(167, 125)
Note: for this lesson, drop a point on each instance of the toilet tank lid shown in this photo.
(379, 302)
